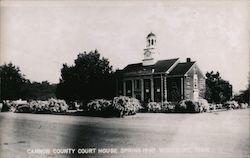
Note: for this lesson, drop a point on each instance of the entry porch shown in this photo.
(152, 88)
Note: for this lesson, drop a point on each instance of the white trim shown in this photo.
(190, 68)
(195, 64)
(173, 66)
(147, 59)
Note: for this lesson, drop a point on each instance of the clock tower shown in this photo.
(150, 54)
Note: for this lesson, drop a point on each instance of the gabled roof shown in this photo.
(181, 68)
(160, 66)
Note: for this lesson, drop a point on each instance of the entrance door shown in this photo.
(147, 90)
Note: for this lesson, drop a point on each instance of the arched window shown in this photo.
(152, 42)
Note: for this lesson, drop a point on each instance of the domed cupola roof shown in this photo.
(150, 34)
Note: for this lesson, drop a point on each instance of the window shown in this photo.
(195, 81)
(137, 84)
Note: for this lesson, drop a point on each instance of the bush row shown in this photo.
(183, 106)
(50, 106)
(158, 107)
(190, 106)
(229, 105)
(120, 106)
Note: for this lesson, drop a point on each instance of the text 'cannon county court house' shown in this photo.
(155, 80)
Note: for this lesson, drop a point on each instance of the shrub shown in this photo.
(23, 109)
(188, 106)
(167, 107)
(231, 105)
(38, 106)
(99, 107)
(243, 105)
(203, 104)
(57, 105)
(50, 106)
(135, 106)
(219, 106)
(153, 107)
(123, 106)
(16, 106)
(212, 106)
(73, 105)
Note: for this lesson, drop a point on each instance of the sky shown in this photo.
(39, 36)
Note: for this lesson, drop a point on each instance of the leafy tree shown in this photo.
(11, 81)
(90, 77)
(217, 89)
(14, 85)
(38, 90)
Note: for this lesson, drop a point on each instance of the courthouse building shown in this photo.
(160, 80)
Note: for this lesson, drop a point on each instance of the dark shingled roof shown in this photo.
(159, 66)
(181, 68)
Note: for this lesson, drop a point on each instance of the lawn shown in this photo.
(216, 134)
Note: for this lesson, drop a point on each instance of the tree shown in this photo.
(11, 82)
(217, 89)
(38, 90)
(90, 77)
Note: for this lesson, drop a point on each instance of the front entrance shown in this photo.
(147, 90)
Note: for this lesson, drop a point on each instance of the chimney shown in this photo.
(188, 60)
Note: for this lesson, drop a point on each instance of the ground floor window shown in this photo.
(128, 88)
(147, 90)
(157, 90)
(137, 84)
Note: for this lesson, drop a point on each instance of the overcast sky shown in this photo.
(40, 36)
